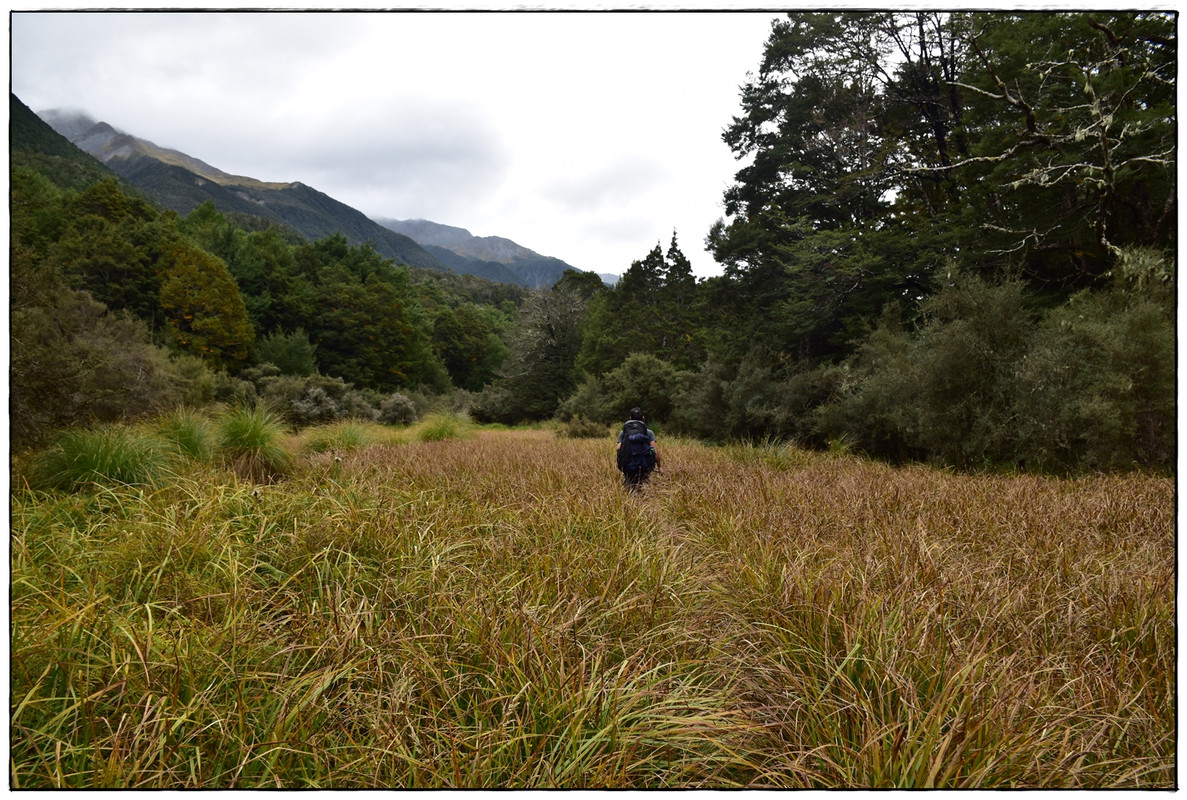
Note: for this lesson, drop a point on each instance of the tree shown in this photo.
(812, 241)
(362, 333)
(111, 245)
(542, 352)
(652, 309)
(1075, 140)
(885, 146)
(205, 312)
(466, 338)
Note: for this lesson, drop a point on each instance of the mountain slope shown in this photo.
(427, 233)
(33, 143)
(488, 256)
(182, 183)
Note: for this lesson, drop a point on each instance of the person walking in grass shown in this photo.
(637, 456)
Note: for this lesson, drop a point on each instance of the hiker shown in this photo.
(637, 456)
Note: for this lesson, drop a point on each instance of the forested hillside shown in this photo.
(951, 237)
(181, 183)
(121, 309)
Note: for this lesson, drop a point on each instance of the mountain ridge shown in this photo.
(181, 182)
(483, 255)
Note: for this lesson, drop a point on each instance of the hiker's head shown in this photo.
(636, 413)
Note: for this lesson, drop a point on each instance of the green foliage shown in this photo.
(1076, 158)
(1088, 384)
(539, 370)
(439, 427)
(73, 363)
(466, 338)
(881, 153)
(309, 400)
(874, 404)
(190, 432)
(112, 245)
(106, 457)
(733, 401)
(206, 313)
(291, 353)
(581, 428)
(1098, 386)
(251, 443)
(651, 310)
(340, 437)
(973, 337)
(365, 331)
(642, 380)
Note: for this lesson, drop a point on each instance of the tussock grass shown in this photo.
(105, 457)
(495, 611)
(252, 441)
(440, 426)
(348, 436)
(190, 432)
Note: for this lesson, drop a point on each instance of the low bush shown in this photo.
(291, 353)
(582, 428)
(397, 409)
(641, 380)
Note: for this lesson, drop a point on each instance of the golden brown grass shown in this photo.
(496, 611)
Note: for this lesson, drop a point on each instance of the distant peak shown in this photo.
(71, 122)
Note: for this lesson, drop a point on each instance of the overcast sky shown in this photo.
(585, 136)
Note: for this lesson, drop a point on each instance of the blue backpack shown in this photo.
(636, 453)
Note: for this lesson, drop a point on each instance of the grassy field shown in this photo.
(447, 606)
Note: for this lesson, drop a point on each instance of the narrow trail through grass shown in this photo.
(493, 609)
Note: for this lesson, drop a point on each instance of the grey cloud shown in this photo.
(614, 185)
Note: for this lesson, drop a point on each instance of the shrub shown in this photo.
(946, 392)
(356, 405)
(582, 428)
(105, 457)
(1097, 386)
(588, 402)
(804, 393)
(734, 401)
(397, 409)
(313, 407)
(875, 398)
(496, 403)
(312, 399)
(641, 380)
(251, 441)
(974, 335)
(196, 382)
(74, 363)
(702, 406)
